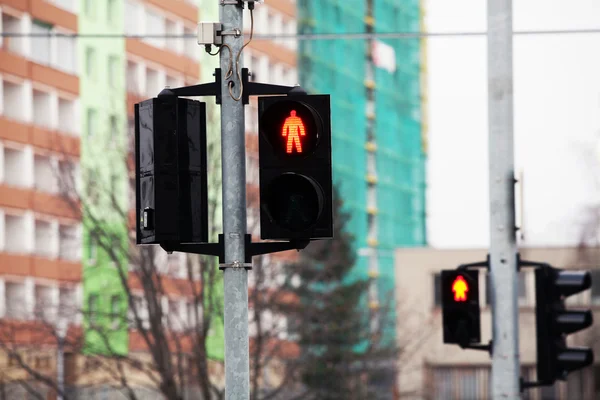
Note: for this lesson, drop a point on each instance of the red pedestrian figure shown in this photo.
(293, 128)
(460, 289)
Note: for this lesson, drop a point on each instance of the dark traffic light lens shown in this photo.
(292, 128)
(294, 201)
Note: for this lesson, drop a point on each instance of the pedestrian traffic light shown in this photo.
(460, 306)
(553, 322)
(171, 181)
(295, 167)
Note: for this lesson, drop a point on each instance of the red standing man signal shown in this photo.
(460, 289)
(293, 128)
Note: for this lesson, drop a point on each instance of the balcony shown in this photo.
(46, 239)
(18, 233)
(29, 199)
(45, 179)
(27, 265)
(15, 303)
(28, 299)
(50, 60)
(42, 138)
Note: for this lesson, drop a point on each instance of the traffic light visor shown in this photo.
(292, 128)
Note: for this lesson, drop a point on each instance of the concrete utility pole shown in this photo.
(233, 150)
(503, 247)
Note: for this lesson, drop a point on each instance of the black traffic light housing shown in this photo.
(461, 314)
(295, 167)
(553, 322)
(171, 180)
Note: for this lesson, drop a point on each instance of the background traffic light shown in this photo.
(171, 181)
(295, 167)
(460, 306)
(553, 322)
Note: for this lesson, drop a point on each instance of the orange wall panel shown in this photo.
(274, 51)
(13, 197)
(56, 205)
(65, 144)
(57, 269)
(12, 63)
(171, 286)
(284, 6)
(40, 267)
(167, 58)
(15, 264)
(132, 99)
(42, 138)
(47, 12)
(178, 7)
(14, 131)
(55, 78)
(21, 5)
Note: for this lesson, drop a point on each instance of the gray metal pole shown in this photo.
(233, 150)
(503, 247)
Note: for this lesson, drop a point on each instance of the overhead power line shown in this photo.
(308, 36)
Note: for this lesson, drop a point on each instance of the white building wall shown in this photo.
(557, 122)
(2, 298)
(419, 320)
(1, 162)
(29, 296)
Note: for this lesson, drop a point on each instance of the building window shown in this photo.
(66, 59)
(115, 311)
(114, 128)
(437, 290)
(91, 123)
(93, 309)
(595, 286)
(113, 71)
(458, 383)
(156, 26)
(92, 249)
(90, 61)
(40, 45)
(114, 185)
(88, 7)
(111, 11)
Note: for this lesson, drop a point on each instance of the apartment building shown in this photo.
(40, 224)
(430, 369)
(152, 64)
(40, 228)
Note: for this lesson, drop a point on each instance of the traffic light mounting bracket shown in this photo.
(485, 347)
(252, 248)
(249, 88)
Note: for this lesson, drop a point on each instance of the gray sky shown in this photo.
(557, 121)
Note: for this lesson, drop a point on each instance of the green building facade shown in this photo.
(103, 94)
(377, 142)
(215, 344)
(104, 175)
